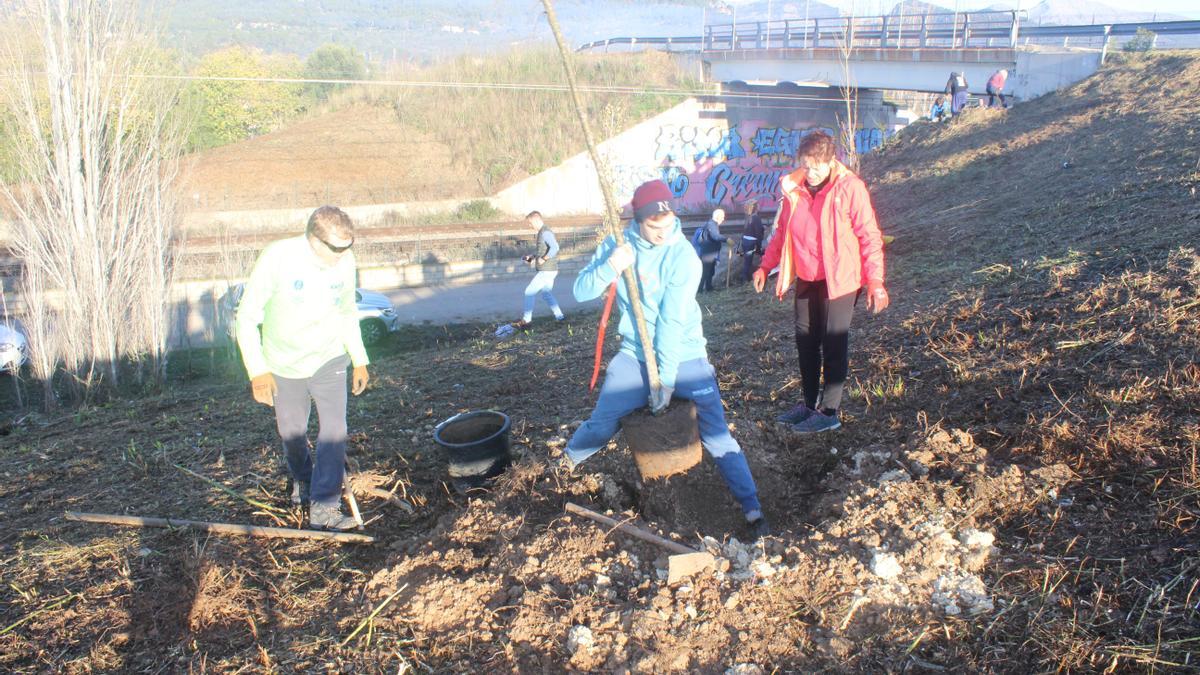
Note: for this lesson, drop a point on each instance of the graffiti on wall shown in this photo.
(709, 165)
(691, 143)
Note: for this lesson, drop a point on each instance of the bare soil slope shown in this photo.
(1016, 488)
(362, 154)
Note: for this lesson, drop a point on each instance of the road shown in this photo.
(480, 301)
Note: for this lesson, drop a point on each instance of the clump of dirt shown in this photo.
(909, 518)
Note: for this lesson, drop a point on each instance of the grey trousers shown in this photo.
(293, 403)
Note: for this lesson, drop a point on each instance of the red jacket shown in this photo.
(831, 236)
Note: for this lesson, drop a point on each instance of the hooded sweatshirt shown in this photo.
(668, 276)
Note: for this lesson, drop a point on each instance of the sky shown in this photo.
(1186, 8)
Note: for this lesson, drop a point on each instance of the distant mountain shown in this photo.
(774, 10)
(917, 8)
(1049, 12)
(431, 29)
(1068, 12)
(425, 30)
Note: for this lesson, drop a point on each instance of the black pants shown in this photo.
(993, 95)
(823, 342)
(749, 249)
(706, 276)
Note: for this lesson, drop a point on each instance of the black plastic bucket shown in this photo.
(476, 444)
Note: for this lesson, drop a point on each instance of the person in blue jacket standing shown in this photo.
(668, 272)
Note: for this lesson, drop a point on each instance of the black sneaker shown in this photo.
(323, 517)
(796, 415)
(759, 528)
(817, 422)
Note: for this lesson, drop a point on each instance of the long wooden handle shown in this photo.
(613, 212)
(220, 528)
(630, 530)
(353, 503)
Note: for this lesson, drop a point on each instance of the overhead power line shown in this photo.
(502, 86)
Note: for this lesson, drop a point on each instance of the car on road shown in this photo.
(14, 345)
(376, 315)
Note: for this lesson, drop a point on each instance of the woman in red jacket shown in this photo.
(830, 245)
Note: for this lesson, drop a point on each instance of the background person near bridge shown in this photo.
(995, 88)
(829, 244)
(752, 239)
(544, 260)
(939, 111)
(956, 87)
(708, 240)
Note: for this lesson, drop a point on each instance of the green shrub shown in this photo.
(227, 111)
(477, 211)
(332, 62)
(1141, 42)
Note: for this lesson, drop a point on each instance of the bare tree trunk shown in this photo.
(848, 119)
(93, 201)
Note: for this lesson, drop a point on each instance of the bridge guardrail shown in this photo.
(974, 30)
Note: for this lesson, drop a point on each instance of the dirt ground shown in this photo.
(361, 154)
(1015, 489)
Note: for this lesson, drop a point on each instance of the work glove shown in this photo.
(877, 297)
(759, 279)
(621, 257)
(263, 388)
(660, 398)
(359, 380)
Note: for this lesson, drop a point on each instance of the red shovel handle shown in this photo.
(608, 303)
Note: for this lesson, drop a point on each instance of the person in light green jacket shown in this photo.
(297, 326)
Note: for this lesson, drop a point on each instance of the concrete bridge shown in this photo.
(911, 52)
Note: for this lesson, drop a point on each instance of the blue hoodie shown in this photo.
(668, 276)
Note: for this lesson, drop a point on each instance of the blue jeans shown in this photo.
(626, 389)
(293, 404)
(543, 283)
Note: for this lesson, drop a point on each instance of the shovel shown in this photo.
(685, 561)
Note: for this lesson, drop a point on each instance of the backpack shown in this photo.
(700, 237)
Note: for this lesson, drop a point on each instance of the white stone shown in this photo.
(896, 475)
(745, 669)
(885, 565)
(956, 593)
(972, 538)
(580, 637)
(762, 569)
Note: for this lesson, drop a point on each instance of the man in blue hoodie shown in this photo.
(668, 272)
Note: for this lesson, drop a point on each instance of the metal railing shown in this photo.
(948, 30)
(941, 30)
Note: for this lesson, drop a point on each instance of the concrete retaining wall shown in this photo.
(707, 158)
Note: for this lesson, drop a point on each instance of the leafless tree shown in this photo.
(848, 117)
(92, 203)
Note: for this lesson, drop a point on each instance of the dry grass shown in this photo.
(501, 136)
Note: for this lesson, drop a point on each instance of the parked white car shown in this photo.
(14, 346)
(376, 315)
